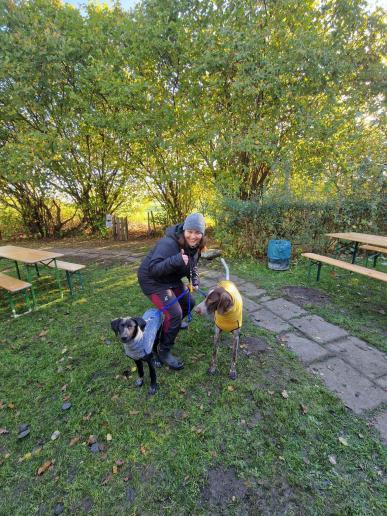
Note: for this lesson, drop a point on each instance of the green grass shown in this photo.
(265, 454)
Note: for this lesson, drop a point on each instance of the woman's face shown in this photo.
(192, 237)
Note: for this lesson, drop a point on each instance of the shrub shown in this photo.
(245, 227)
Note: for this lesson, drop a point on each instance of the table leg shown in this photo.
(57, 274)
(29, 279)
(355, 252)
(17, 269)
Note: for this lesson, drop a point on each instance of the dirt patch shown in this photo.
(276, 500)
(303, 296)
(254, 345)
(223, 488)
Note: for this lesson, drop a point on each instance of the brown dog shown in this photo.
(225, 304)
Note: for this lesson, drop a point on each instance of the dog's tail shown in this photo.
(225, 268)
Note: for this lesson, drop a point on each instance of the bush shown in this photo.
(245, 227)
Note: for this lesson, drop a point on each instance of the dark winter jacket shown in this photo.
(164, 266)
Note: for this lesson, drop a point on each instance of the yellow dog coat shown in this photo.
(232, 320)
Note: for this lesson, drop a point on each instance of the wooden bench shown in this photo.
(70, 269)
(372, 251)
(12, 286)
(319, 259)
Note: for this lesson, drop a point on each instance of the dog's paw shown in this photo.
(211, 371)
(152, 390)
(233, 375)
(139, 382)
(157, 363)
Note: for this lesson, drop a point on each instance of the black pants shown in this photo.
(172, 315)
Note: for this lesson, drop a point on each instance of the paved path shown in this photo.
(353, 370)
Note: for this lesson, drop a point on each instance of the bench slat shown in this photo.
(67, 266)
(12, 284)
(374, 248)
(372, 273)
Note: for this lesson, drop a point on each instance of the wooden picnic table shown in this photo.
(31, 257)
(359, 238)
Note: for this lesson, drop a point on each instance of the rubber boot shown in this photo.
(166, 357)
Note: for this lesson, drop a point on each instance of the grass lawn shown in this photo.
(202, 445)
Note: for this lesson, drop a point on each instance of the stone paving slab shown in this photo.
(382, 382)
(355, 390)
(317, 329)
(207, 283)
(251, 290)
(380, 423)
(369, 362)
(284, 309)
(264, 299)
(250, 306)
(236, 279)
(266, 319)
(207, 273)
(306, 350)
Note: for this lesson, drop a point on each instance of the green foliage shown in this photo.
(245, 227)
(236, 98)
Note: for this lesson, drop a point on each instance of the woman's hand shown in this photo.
(185, 257)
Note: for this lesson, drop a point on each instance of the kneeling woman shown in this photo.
(174, 257)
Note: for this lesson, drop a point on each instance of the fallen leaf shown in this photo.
(231, 388)
(120, 462)
(11, 405)
(142, 450)
(271, 393)
(303, 408)
(43, 333)
(74, 440)
(114, 470)
(55, 435)
(133, 412)
(109, 437)
(91, 440)
(3, 431)
(343, 441)
(64, 350)
(27, 456)
(183, 391)
(332, 459)
(285, 394)
(125, 479)
(87, 418)
(361, 436)
(214, 454)
(115, 397)
(44, 467)
(107, 479)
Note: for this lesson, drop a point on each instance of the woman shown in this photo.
(175, 256)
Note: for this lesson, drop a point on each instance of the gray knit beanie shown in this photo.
(196, 222)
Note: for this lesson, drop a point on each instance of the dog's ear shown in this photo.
(225, 303)
(114, 324)
(140, 321)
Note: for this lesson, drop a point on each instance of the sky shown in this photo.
(126, 4)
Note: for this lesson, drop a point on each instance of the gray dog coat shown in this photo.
(139, 348)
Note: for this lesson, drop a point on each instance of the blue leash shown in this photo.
(189, 317)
